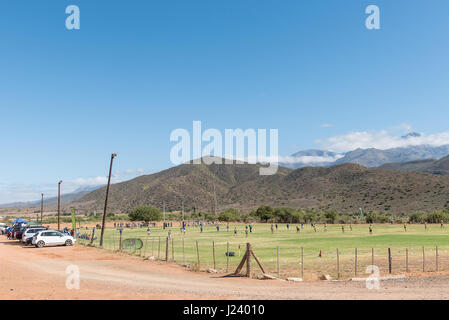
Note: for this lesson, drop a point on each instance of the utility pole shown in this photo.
(215, 200)
(42, 207)
(183, 210)
(106, 200)
(59, 205)
(164, 214)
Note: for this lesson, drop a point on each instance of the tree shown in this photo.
(265, 213)
(146, 214)
(286, 214)
(310, 216)
(436, 217)
(331, 216)
(229, 215)
(416, 217)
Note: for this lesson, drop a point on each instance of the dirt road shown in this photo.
(31, 273)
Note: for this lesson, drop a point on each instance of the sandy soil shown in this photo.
(31, 273)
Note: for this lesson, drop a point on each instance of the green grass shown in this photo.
(290, 242)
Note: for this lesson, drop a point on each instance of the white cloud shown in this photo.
(20, 192)
(326, 125)
(309, 159)
(89, 182)
(380, 140)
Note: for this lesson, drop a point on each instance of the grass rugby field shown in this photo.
(290, 242)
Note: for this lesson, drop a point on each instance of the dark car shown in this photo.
(21, 230)
(15, 231)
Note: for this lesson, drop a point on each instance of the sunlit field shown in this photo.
(291, 243)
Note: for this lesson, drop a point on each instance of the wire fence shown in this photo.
(281, 261)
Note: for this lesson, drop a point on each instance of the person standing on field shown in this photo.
(370, 229)
(343, 228)
(272, 230)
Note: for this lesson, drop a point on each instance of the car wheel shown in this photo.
(40, 244)
(68, 242)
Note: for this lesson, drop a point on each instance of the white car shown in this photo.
(2, 228)
(27, 233)
(52, 238)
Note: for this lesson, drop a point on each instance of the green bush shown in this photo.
(230, 215)
(145, 214)
(264, 213)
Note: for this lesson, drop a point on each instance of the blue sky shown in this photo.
(136, 70)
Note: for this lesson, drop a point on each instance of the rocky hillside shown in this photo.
(344, 187)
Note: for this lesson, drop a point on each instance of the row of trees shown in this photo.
(290, 215)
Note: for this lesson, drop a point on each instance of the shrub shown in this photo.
(145, 214)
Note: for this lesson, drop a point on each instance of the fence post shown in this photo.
(183, 253)
(213, 254)
(93, 235)
(152, 247)
(159, 249)
(355, 262)
(406, 260)
(198, 255)
(338, 265)
(423, 260)
(227, 257)
(372, 256)
(389, 261)
(120, 244)
(278, 264)
(302, 262)
(436, 258)
(173, 249)
(145, 249)
(166, 249)
(248, 260)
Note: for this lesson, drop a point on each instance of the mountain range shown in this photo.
(366, 157)
(433, 166)
(344, 187)
(66, 198)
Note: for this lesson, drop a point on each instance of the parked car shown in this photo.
(29, 232)
(3, 227)
(15, 231)
(18, 232)
(52, 238)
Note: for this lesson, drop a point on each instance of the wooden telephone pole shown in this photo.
(42, 207)
(106, 200)
(59, 205)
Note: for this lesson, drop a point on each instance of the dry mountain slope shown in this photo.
(439, 167)
(192, 184)
(344, 187)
